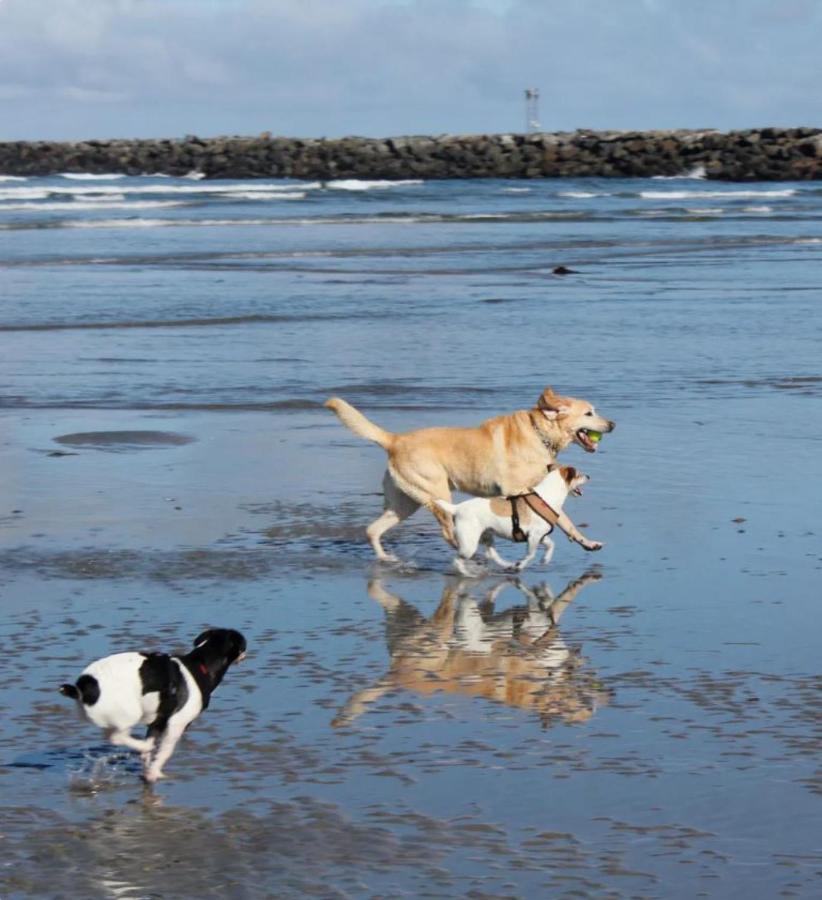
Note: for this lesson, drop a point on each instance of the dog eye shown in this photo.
(589, 413)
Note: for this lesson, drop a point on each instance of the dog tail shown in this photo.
(87, 689)
(445, 505)
(356, 421)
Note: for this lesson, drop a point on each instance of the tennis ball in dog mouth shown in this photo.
(594, 436)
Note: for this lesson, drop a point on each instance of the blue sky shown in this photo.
(151, 68)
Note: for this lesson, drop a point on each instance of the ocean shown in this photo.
(166, 345)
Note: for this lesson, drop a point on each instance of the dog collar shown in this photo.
(543, 440)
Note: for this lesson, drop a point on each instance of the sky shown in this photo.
(77, 69)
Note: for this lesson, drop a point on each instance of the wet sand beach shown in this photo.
(641, 722)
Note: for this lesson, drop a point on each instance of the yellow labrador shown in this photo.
(503, 456)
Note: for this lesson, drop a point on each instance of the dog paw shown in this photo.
(592, 545)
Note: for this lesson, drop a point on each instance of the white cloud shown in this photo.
(77, 68)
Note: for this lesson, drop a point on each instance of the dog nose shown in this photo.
(611, 425)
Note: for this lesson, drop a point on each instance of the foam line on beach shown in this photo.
(89, 176)
(266, 195)
(101, 203)
(357, 184)
(719, 195)
(250, 188)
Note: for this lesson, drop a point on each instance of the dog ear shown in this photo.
(202, 638)
(569, 473)
(551, 405)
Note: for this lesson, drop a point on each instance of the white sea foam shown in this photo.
(757, 209)
(103, 198)
(717, 195)
(697, 174)
(137, 222)
(11, 193)
(100, 203)
(707, 211)
(512, 190)
(266, 195)
(123, 223)
(581, 195)
(194, 175)
(356, 184)
(23, 194)
(87, 176)
(12, 178)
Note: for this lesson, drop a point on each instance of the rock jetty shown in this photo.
(768, 154)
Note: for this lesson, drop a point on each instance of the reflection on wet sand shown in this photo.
(295, 848)
(516, 657)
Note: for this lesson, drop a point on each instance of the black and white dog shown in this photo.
(167, 693)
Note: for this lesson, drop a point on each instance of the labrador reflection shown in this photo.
(516, 657)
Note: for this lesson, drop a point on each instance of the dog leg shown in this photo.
(574, 534)
(533, 546)
(491, 552)
(549, 550)
(377, 529)
(124, 739)
(467, 567)
(425, 490)
(445, 520)
(167, 744)
(397, 508)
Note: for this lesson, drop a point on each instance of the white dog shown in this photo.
(521, 518)
(167, 693)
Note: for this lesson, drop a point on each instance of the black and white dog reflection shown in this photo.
(167, 693)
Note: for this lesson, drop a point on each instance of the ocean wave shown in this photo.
(267, 195)
(582, 195)
(718, 195)
(138, 222)
(102, 203)
(706, 211)
(357, 184)
(28, 193)
(12, 178)
(698, 173)
(342, 220)
(88, 176)
(757, 209)
(516, 190)
(265, 187)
